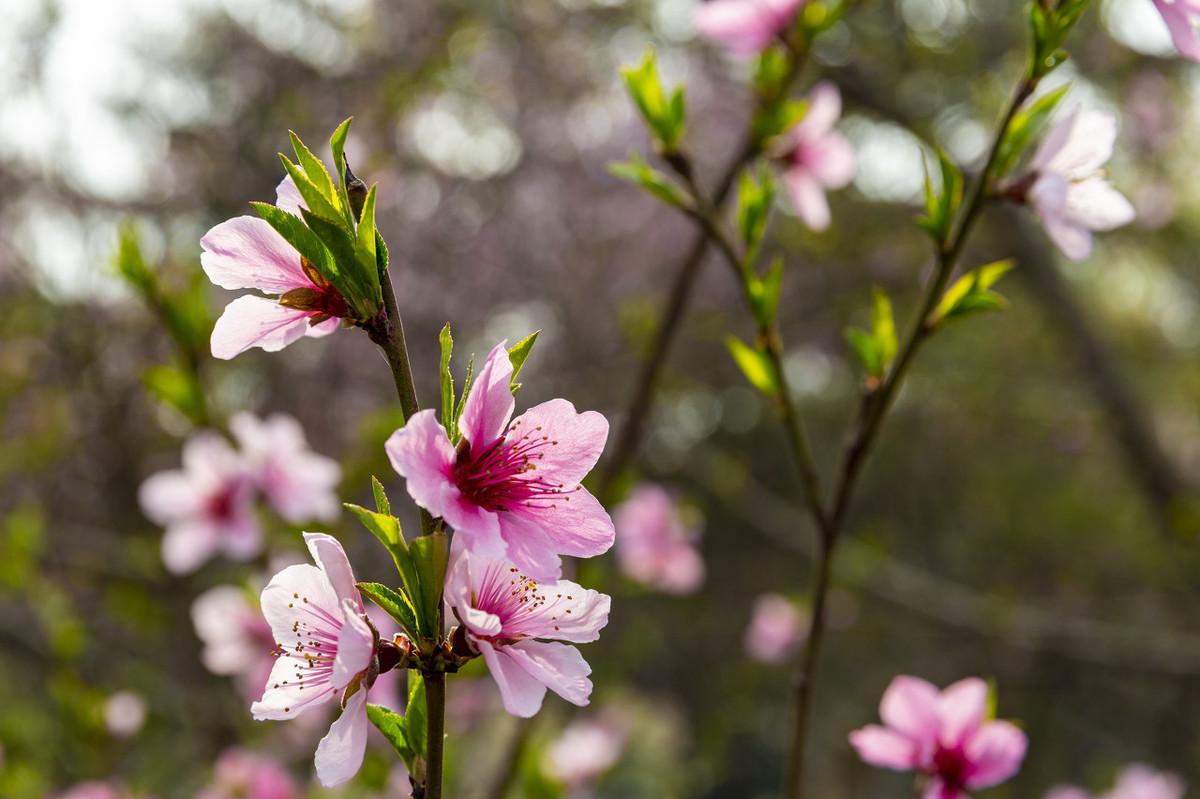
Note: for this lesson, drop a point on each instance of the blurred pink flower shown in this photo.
(97, 790)
(1182, 17)
(818, 157)
(299, 484)
(945, 735)
(241, 773)
(237, 639)
(1069, 191)
(585, 750)
(247, 253)
(124, 713)
(325, 649)
(776, 627)
(207, 507)
(1135, 781)
(509, 490)
(745, 26)
(507, 618)
(654, 547)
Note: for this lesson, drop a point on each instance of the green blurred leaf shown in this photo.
(176, 389)
(664, 118)
(972, 293)
(518, 354)
(1024, 128)
(755, 365)
(867, 350)
(756, 196)
(637, 171)
(382, 504)
(765, 292)
(315, 197)
(394, 728)
(397, 606)
(876, 348)
(941, 206)
(777, 119)
(446, 381)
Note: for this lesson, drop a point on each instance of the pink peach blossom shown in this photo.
(518, 624)
(1135, 781)
(299, 484)
(776, 627)
(745, 26)
(98, 790)
(207, 507)
(818, 157)
(654, 546)
(326, 648)
(247, 253)
(241, 773)
(1069, 191)
(585, 750)
(237, 639)
(944, 735)
(1182, 18)
(509, 490)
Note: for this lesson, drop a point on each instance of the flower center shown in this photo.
(222, 503)
(504, 476)
(313, 650)
(526, 609)
(951, 766)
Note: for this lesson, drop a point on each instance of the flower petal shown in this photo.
(1179, 19)
(996, 752)
(742, 26)
(1067, 792)
(571, 613)
(824, 110)
(168, 496)
(285, 697)
(808, 197)
(961, 709)
(579, 527)
(1088, 146)
(287, 196)
(1095, 204)
(187, 545)
(253, 321)
(490, 404)
(885, 748)
(571, 441)
(831, 160)
(421, 453)
(355, 646)
(328, 554)
(520, 692)
(559, 667)
(909, 706)
(1074, 241)
(340, 753)
(459, 593)
(247, 253)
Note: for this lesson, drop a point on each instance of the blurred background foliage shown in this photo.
(1028, 515)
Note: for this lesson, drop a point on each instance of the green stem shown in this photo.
(435, 711)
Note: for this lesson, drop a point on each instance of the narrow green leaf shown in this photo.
(297, 234)
(382, 504)
(383, 526)
(397, 606)
(430, 554)
(417, 714)
(777, 118)
(883, 328)
(130, 263)
(446, 379)
(517, 355)
(663, 117)
(395, 729)
(867, 350)
(1024, 128)
(314, 196)
(972, 293)
(462, 400)
(316, 171)
(353, 278)
(366, 232)
(175, 389)
(337, 145)
(637, 171)
(755, 365)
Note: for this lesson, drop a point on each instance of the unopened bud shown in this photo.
(356, 189)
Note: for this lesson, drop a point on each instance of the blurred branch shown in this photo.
(1033, 626)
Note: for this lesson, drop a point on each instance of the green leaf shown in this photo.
(131, 264)
(175, 389)
(462, 400)
(941, 207)
(637, 171)
(297, 234)
(430, 554)
(381, 258)
(1024, 128)
(517, 355)
(446, 379)
(765, 291)
(382, 504)
(314, 196)
(337, 145)
(397, 606)
(883, 327)
(771, 69)
(356, 276)
(776, 119)
(395, 729)
(755, 365)
(755, 199)
(417, 714)
(972, 293)
(316, 172)
(867, 350)
(664, 118)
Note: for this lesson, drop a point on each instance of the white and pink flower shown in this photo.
(207, 507)
(242, 773)
(776, 628)
(944, 735)
(654, 545)
(818, 158)
(518, 626)
(510, 491)
(299, 484)
(325, 652)
(586, 749)
(247, 253)
(237, 639)
(1182, 18)
(746, 26)
(1136, 781)
(1067, 186)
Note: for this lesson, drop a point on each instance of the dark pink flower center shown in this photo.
(525, 608)
(505, 475)
(222, 503)
(952, 767)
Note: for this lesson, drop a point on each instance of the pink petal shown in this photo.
(573, 441)
(1054, 142)
(529, 546)
(575, 614)
(884, 748)
(421, 453)
(328, 554)
(1067, 792)
(560, 667)
(578, 526)
(222, 617)
(1074, 241)
(284, 697)
(741, 25)
(1138, 781)
(808, 197)
(252, 321)
(355, 646)
(1178, 16)
(909, 706)
(246, 253)
(520, 692)
(961, 709)
(241, 536)
(287, 196)
(996, 752)
(490, 404)
(681, 570)
(168, 496)
(1088, 145)
(824, 110)
(936, 789)
(209, 460)
(340, 753)
(1095, 204)
(831, 160)
(187, 545)
(459, 592)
